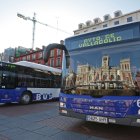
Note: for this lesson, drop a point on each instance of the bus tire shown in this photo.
(25, 98)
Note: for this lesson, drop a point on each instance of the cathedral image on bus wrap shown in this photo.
(104, 77)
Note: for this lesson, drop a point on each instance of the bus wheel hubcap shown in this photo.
(26, 98)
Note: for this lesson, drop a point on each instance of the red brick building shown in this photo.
(55, 59)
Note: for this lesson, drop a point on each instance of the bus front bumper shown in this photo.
(129, 120)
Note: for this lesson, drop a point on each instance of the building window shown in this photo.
(93, 28)
(58, 62)
(116, 22)
(17, 59)
(128, 66)
(76, 33)
(51, 62)
(118, 77)
(112, 77)
(58, 52)
(33, 56)
(88, 23)
(106, 17)
(24, 58)
(105, 25)
(104, 77)
(28, 57)
(85, 30)
(80, 26)
(118, 13)
(40, 55)
(96, 21)
(129, 19)
(52, 53)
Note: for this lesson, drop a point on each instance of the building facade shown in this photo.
(108, 22)
(36, 56)
(7, 54)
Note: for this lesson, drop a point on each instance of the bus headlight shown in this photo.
(62, 104)
(139, 112)
(63, 111)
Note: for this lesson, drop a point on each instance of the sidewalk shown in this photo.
(44, 125)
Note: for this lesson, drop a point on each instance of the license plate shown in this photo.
(96, 119)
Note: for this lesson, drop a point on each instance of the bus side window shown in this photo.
(30, 81)
(24, 82)
(55, 84)
(0, 77)
(9, 79)
(19, 82)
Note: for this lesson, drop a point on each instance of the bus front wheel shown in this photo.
(25, 98)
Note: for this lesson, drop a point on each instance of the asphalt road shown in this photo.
(41, 121)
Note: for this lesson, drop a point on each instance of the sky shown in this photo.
(60, 14)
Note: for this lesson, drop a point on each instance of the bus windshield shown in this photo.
(108, 70)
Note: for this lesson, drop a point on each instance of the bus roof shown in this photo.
(37, 66)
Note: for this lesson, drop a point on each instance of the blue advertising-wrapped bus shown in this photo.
(101, 76)
(24, 82)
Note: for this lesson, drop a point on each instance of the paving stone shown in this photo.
(96, 138)
(48, 131)
(31, 126)
(16, 124)
(3, 117)
(13, 132)
(29, 136)
(4, 137)
(3, 127)
(67, 135)
(4, 121)
(35, 117)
